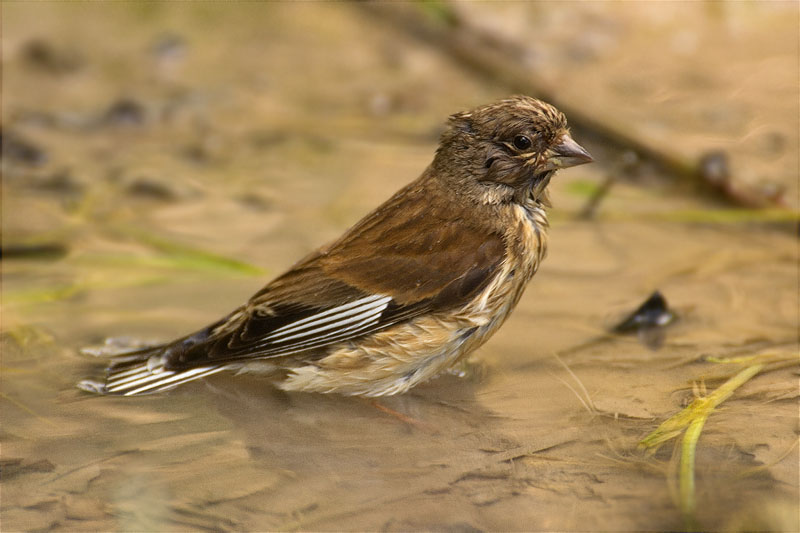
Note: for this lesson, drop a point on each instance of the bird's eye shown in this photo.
(521, 142)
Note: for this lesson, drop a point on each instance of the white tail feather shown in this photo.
(169, 380)
(146, 376)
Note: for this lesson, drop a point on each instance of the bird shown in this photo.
(404, 294)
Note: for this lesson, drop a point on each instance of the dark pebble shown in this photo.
(714, 167)
(654, 312)
(21, 150)
(254, 202)
(44, 56)
(45, 251)
(125, 112)
(148, 188)
(61, 181)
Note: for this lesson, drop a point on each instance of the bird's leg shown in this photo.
(402, 417)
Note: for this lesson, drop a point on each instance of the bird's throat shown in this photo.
(535, 189)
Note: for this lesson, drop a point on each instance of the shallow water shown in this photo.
(228, 165)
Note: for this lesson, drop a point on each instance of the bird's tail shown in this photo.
(140, 370)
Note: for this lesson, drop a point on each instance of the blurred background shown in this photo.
(162, 161)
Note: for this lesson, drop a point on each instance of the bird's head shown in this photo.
(509, 150)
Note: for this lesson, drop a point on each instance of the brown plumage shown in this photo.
(405, 293)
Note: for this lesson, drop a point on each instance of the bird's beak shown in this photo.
(566, 153)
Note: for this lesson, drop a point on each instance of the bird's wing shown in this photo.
(405, 259)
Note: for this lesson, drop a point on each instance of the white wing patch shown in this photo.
(335, 312)
(365, 310)
(323, 328)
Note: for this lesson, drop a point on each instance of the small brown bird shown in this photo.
(409, 290)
